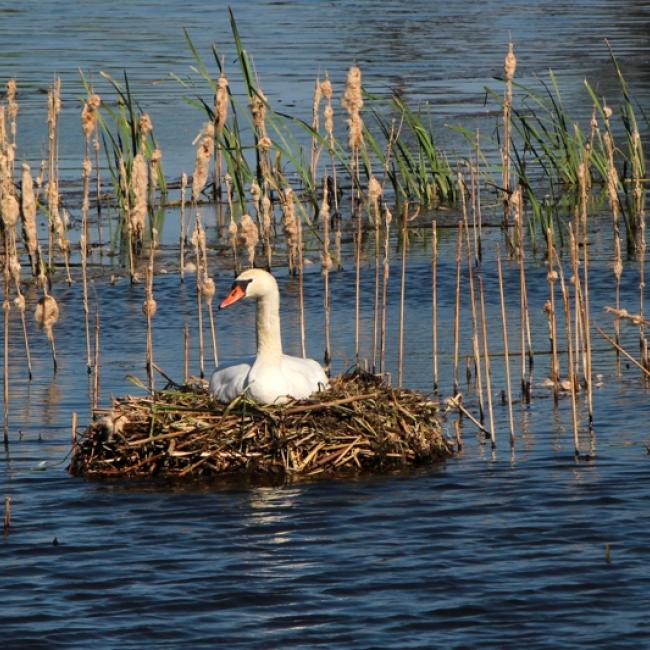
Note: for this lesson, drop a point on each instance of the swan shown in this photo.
(270, 377)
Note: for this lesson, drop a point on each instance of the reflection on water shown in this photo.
(491, 549)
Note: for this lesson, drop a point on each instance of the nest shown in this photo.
(360, 424)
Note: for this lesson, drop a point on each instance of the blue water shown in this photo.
(490, 549)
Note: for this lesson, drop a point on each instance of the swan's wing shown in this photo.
(308, 375)
(229, 381)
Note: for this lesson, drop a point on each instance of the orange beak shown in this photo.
(236, 293)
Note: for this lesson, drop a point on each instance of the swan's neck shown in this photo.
(269, 339)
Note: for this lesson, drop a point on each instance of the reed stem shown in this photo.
(434, 301)
(402, 293)
(459, 244)
(506, 353)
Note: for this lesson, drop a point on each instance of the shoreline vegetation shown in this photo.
(370, 170)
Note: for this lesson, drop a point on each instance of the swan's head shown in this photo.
(252, 283)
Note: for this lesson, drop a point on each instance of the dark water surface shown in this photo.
(505, 549)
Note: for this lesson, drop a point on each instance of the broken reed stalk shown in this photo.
(96, 363)
(524, 318)
(388, 217)
(509, 68)
(301, 291)
(197, 234)
(584, 184)
(624, 352)
(459, 244)
(570, 363)
(186, 354)
(182, 225)
(486, 356)
(434, 300)
(402, 292)
(506, 353)
(326, 265)
(357, 285)
(149, 309)
(374, 196)
(551, 311)
(6, 520)
(83, 249)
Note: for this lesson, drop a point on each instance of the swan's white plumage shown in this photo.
(271, 377)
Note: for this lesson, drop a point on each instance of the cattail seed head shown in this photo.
(374, 190)
(149, 307)
(204, 154)
(89, 115)
(47, 314)
(248, 236)
(326, 87)
(221, 104)
(10, 210)
(607, 111)
(258, 109)
(19, 301)
(12, 104)
(355, 124)
(139, 184)
(145, 125)
(510, 64)
(28, 211)
(352, 99)
(209, 290)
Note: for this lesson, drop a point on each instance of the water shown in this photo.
(485, 550)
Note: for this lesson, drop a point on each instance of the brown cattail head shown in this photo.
(10, 210)
(28, 211)
(221, 104)
(204, 154)
(89, 115)
(374, 190)
(352, 99)
(289, 221)
(510, 63)
(326, 87)
(355, 124)
(608, 112)
(47, 314)
(12, 104)
(209, 290)
(139, 185)
(258, 110)
(248, 236)
(265, 143)
(149, 307)
(256, 194)
(145, 126)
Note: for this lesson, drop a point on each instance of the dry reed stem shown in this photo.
(357, 235)
(388, 217)
(374, 197)
(301, 292)
(28, 217)
(47, 315)
(570, 363)
(552, 279)
(290, 225)
(149, 309)
(204, 154)
(434, 300)
(83, 249)
(6, 520)
(326, 264)
(622, 350)
(96, 377)
(506, 353)
(459, 244)
(182, 225)
(486, 353)
(186, 354)
(197, 236)
(402, 294)
(315, 125)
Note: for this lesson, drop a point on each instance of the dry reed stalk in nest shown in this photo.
(326, 265)
(388, 217)
(374, 197)
(248, 237)
(198, 240)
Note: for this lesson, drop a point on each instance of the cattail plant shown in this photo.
(198, 237)
(509, 68)
(89, 120)
(552, 277)
(52, 187)
(315, 126)
(258, 108)
(12, 111)
(204, 154)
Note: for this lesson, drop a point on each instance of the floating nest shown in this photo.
(359, 425)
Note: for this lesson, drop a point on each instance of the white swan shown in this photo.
(270, 377)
